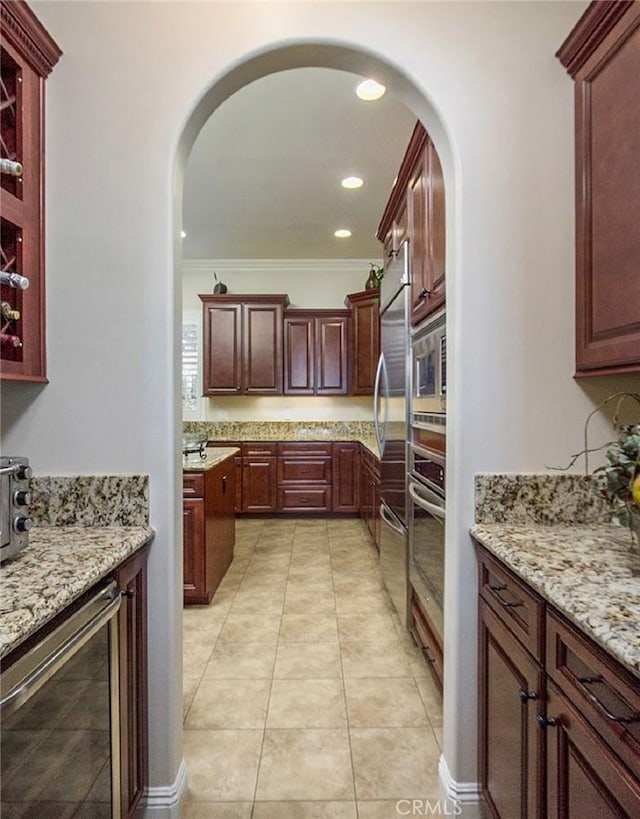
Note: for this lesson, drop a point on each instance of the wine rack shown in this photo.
(27, 57)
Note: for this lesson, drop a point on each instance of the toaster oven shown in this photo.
(15, 499)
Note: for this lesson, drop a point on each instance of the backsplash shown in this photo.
(90, 500)
(539, 499)
(282, 430)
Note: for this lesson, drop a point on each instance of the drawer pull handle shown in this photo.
(547, 722)
(525, 696)
(224, 484)
(507, 605)
(585, 682)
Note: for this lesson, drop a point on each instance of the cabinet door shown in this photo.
(134, 721)
(510, 740)
(259, 484)
(332, 376)
(262, 349)
(436, 244)
(608, 202)
(346, 477)
(221, 344)
(585, 779)
(364, 349)
(299, 355)
(220, 523)
(193, 549)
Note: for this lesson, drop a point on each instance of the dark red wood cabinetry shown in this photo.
(365, 340)
(316, 352)
(602, 54)
(416, 210)
(242, 344)
(209, 499)
(28, 56)
(370, 493)
(304, 477)
(346, 477)
(559, 719)
(259, 478)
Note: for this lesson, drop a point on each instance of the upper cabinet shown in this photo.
(416, 210)
(365, 340)
(28, 56)
(316, 352)
(602, 54)
(242, 344)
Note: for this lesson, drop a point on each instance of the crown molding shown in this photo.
(590, 30)
(276, 265)
(22, 29)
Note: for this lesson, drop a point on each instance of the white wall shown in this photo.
(484, 79)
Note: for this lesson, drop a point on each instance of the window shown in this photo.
(190, 366)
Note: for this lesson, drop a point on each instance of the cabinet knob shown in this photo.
(525, 696)
(224, 483)
(547, 722)
(128, 593)
(424, 293)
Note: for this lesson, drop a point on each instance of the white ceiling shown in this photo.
(263, 179)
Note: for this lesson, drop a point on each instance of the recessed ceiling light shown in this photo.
(183, 234)
(343, 233)
(352, 182)
(370, 90)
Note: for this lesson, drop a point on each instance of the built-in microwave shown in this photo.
(429, 361)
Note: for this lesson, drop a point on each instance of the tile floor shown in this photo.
(303, 696)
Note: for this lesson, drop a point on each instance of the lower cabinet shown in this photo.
(131, 577)
(370, 494)
(209, 499)
(559, 718)
(424, 633)
(259, 478)
(346, 477)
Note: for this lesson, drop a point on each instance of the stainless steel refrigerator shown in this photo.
(390, 421)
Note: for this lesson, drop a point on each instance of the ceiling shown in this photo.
(263, 179)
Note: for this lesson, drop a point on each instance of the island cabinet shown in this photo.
(242, 344)
(133, 684)
(364, 348)
(416, 210)
(208, 529)
(559, 718)
(602, 54)
(28, 55)
(316, 350)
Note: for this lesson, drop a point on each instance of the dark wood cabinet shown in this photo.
(426, 637)
(559, 718)
(131, 577)
(242, 344)
(370, 493)
(27, 57)
(316, 352)
(416, 210)
(602, 54)
(209, 499)
(259, 478)
(304, 477)
(364, 347)
(346, 477)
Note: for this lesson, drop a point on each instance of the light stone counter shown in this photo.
(59, 564)
(590, 573)
(214, 456)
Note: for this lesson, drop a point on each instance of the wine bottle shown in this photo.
(14, 280)
(7, 340)
(8, 313)
(10, 167)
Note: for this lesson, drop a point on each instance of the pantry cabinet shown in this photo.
(316, 352)
(27, 57)
(559, 718)
(364, 348)
(602, 54)
(416, 210)
(242, 344)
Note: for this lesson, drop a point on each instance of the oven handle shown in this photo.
(390, 523)
(28, 674)
(431, 508)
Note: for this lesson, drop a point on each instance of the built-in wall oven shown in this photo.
(59, 732)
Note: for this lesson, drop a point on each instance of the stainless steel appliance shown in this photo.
(390, 421)
(60, 744)
(15, 498)
(429, 366)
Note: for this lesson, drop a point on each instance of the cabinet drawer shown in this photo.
(422, 629)
(604, 693)
(257, 449)
(304, 470)
(317, 499)
(300, 449)
(516, 605)
(193, 486)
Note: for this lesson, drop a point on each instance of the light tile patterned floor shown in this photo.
(303, 696)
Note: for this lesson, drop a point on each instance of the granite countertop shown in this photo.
(590, 573)
(59, 564)
(214, 456)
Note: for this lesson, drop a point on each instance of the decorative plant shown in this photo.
(376, 274)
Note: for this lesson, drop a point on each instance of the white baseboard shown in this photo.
(164, 802)
(461, 798)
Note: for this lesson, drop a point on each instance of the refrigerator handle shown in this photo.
(390, 523)
(376, 402)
